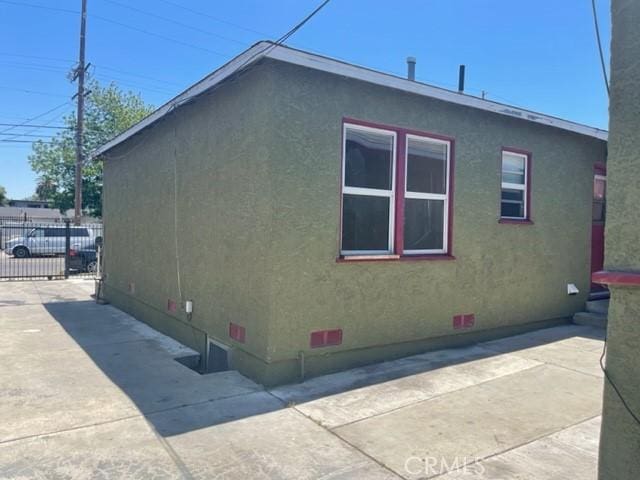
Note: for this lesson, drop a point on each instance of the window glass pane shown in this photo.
(365, 223)
(368, 162)
(598, 211)
(423, 224)
(54, 232)
(79, 232)
(599, 188)
(513, 168)
(512, 203)
(426, 166)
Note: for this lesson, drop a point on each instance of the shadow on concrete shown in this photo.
(141, 363)
(176, 399)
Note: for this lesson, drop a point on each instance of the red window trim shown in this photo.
(527, 220)
(398, 246)
(600, 168)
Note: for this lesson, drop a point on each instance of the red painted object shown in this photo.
(172, 306)
(598, 222)
(467, 320)
(628, 279)
(237, 332)
(325, 338)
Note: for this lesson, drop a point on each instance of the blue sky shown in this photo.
(538, 54)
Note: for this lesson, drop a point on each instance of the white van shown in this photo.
(49, 240)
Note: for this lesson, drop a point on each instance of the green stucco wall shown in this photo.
(259, 215)
(223, 209)
(620, 437)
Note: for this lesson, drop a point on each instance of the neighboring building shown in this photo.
(30, 203)
(620, 437)
(28, 214)
(321, 215)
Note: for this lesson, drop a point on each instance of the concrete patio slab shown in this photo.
(124, 449)
(282, 444)
(87, 391)
(54, 391)
(576, 353)
(481, 420)
(571, 453)
(18, 293)
(472, 366)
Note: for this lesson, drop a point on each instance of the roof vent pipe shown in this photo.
(411, 68)
(461, 79)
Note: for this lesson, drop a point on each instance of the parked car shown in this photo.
(49, 240)
(83, 260)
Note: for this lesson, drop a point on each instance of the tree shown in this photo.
(108, 112)
(3, 196)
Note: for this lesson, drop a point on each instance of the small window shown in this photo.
(37, 232)
(368, 194)
(515, 186)
(599, 197)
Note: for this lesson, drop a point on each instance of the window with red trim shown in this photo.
(515, 187)
(395, 192)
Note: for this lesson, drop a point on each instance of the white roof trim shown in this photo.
(326, 64)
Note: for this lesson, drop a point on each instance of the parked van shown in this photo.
(49, 240)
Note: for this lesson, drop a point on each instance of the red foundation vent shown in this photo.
(467, 320)
(326, 338)
(172, 306)
(237, 332)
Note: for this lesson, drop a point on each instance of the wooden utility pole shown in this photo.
(80, 121)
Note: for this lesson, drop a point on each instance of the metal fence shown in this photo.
(30, 249)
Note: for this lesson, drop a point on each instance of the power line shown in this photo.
(35, 92)
(100, 66)
(115, 22)
(24, 141)
(54, 9)
(27, 135)
(31, 119)
(158, 35)
(206, 15)
(39, 57)
(118, 70)
(602, 62)
(176, 22)
(32, 125)
(286, 36)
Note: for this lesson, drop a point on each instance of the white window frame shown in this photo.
(430, 196)
(515, 186)
(370, 192)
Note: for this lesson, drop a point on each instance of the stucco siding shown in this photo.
(222, 208)
(620, 438)
(505, 274)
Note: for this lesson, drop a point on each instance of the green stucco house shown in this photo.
(291, 215)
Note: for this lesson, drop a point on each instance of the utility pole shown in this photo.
(79, 74)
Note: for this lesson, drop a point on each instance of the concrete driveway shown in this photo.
(86, 391)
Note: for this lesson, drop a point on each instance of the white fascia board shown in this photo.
(329, 65)
(337, 67)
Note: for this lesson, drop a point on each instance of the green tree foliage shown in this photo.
(3, 196)
(108, 112)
